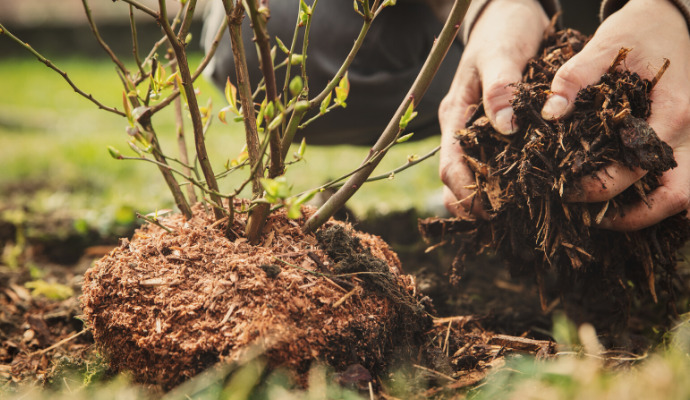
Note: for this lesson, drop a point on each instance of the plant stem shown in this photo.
(405, 166)
(316, 101)
(261, 38)
(188, 86)
(49, 64)
(142, 7)
(101, 42)
(165, 169)
(187, 21)
(181, 143)
(204, 62)
(257, 217)
(389, 135)
(135, 41)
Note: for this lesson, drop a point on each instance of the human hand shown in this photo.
(505, 36)
(654, 30)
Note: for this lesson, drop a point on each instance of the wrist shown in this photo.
(477, 7)
(668, 7)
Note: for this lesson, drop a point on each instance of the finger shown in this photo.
(498, 77)
(672, 197)
(459, 195)
(585, 68)
(469, 206)
(604, 184)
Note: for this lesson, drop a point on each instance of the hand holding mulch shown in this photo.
(523, 182)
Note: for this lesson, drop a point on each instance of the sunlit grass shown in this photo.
(50, 134)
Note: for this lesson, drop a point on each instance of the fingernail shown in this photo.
(554, 107)
(504, 121)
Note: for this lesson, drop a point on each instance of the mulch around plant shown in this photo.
(42, 340)
(167, 305)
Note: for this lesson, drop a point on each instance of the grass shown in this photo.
(49, 134)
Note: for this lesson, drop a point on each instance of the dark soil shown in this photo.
(44, 339)
(521, 181)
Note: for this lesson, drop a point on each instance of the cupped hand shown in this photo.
(654, 30)
(505, 36)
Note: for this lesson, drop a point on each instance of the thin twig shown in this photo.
(202, 66)
(389, 135)
(305, 44)
(257, 217)
(262, 39)
(135, 41)
(187, 21)
(101, 42)
(181, 143)
(142, 7)
(49, 64)
(60, 343)
(433, 372)
(197, 124)
(403, 167)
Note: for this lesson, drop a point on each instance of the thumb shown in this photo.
(585, 68)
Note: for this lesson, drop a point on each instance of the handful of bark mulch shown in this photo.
(521, 179)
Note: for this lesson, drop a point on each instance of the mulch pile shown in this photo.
(521, 180)
(167, 305)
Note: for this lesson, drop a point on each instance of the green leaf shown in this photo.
(296, 59)
(276, 189)
(169, 80)
(302, 148)
(261, 114)
(282, 46)
(342, 91)
(54, 291)
(408, 116)
(307, 196)
(114, 153)
(325, 103)
(296, 85)
(275, 123)
(133, 146)
(221, 114)
(303, 7)
(269, 112)
(231, 95)
(128, 108)
(404, 138)
(183, 93)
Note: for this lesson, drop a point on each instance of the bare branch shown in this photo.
(202, 66)
(101, 42)
(49, 64)
(261, 38)
(142, 7)
(389, 135)
(135, 42)
(188, 86)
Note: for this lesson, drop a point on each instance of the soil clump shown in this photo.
(522, 181)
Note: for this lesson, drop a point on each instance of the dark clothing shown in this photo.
(380, 76)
